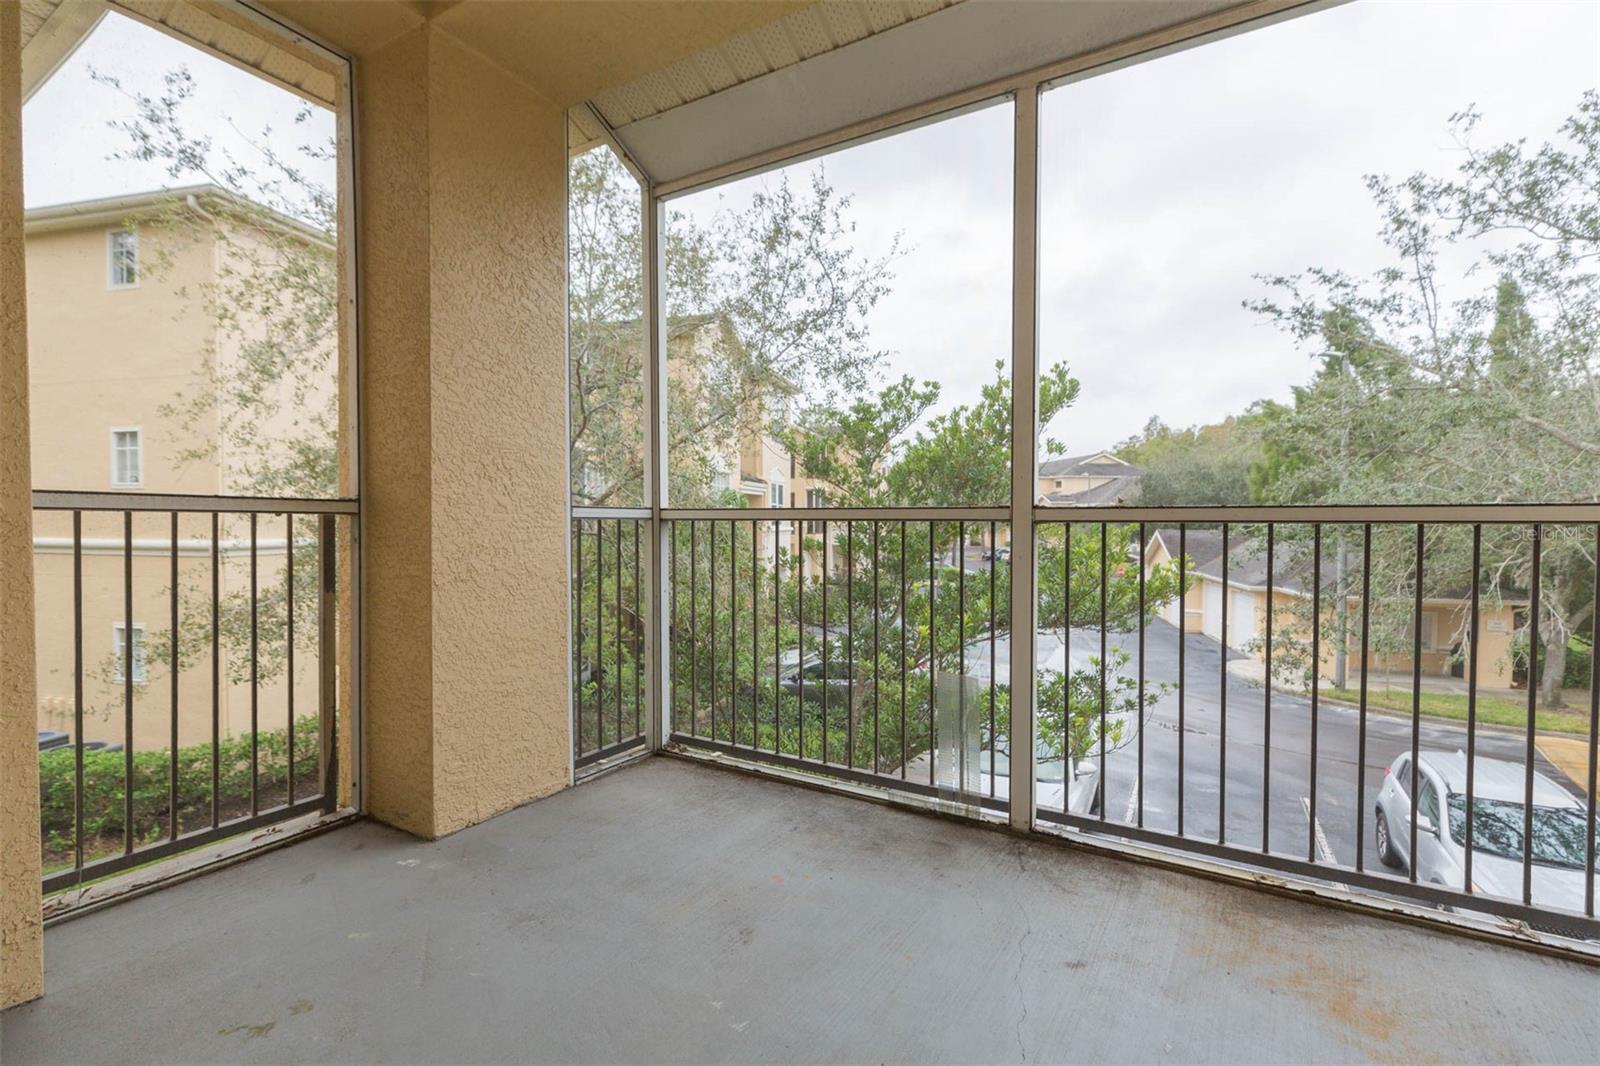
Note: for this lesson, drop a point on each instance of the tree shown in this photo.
(1493, 396)
(781, 278)
(263, 401)
(886, 451)
(1200, 465)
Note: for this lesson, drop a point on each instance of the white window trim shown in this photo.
(111, 437)
(1430, 626)
(141, 661)
(111, 260)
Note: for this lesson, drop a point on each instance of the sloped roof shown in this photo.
(1119, 489)
(1247, 564)
(113, 210)
(1093, 464)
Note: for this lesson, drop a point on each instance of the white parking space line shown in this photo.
(1324, 852)
(1133, 802)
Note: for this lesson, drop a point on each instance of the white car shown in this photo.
(1497, 821)
(1051, 786)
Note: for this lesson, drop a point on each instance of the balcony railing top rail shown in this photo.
(52, 500)
(1331, 514)
(1488, 513)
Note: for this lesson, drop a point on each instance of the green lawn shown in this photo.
(1492, 710)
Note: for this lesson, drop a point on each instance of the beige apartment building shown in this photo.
(1096, 479)
(120, 338)
(748, 460)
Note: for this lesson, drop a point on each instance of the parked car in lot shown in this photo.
(806, 678)
(1498, 813)
(1056, 787)
(1081, 793)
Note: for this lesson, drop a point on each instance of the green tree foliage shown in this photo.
(263, 401)
(1480, 386)
(1199, 465)
(780, 279)
(887, 450)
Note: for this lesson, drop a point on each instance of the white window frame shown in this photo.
(141, 661)
(1430, 628)
(777, 492)
(138, 432)
(111, 258)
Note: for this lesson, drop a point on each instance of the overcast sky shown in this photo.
(66, 143)
(1166, 186)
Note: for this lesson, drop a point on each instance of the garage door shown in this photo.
(1241, 619)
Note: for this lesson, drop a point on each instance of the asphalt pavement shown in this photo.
(1298, 818)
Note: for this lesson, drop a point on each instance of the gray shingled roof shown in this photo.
(1247, 563)
(1080, 466)
(1118, 490)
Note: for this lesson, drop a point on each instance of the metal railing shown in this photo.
(1274, 741)
(862, 648)
(609, 609)
(218, 601)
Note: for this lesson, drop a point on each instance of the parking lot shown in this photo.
(1329, 832)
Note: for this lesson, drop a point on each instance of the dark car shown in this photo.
(805, 678)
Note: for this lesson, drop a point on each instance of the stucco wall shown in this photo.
(463, 216)
(104, 357)
(21, 920)
(499, 440)
(397, 485)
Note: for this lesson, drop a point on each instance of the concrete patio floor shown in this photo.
(671, 912)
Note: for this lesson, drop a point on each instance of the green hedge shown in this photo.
(103, 784)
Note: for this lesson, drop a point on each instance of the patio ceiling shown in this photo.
(692, 90)
(52, 30)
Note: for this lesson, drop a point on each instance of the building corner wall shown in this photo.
(463, 214)
(21, 915)
(498, 182)
(397, 504)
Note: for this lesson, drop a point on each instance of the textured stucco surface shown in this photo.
(499, 440)
(21, 923)
(397, 488)
(463, 203)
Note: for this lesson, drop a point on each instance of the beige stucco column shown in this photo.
(462, 218)
(21, 921)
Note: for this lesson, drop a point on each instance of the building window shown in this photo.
(777, 494)
(815, 498)
(721, 478)
(123, 250)
(1427, 631)
(119, 645)
(127, 457)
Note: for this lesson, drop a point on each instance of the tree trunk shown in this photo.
(1553, 646)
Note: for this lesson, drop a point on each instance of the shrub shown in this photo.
(103, 779)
